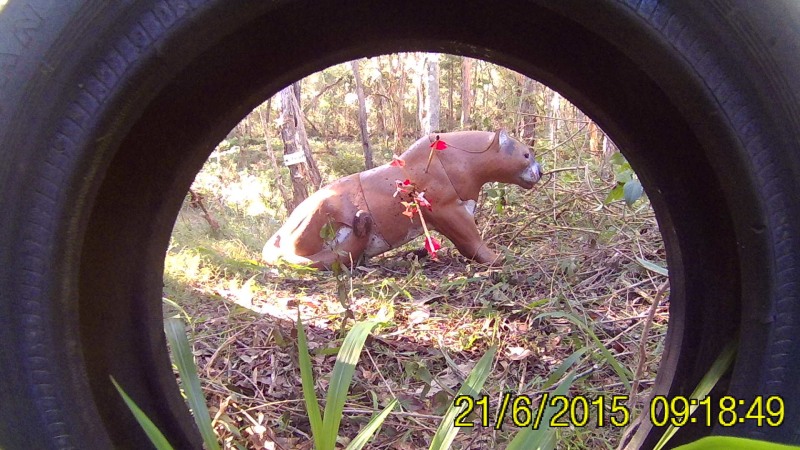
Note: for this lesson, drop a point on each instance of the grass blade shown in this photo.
(152, 431)
(341, 377)
(307, 378)
(177, 307)
(709, 380)
(472, 386)
(733, 443)
(183, 358)
(563, 368)
(542, 438)
(649, 265)
(372, 427)
(624, 374)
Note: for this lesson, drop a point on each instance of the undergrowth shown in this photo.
(575, 281)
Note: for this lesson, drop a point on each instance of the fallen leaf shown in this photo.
(518, 353)
(418, 316)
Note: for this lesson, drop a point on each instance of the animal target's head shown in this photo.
(518, 162)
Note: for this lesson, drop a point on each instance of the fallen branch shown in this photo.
(646, 331)
(197, 202)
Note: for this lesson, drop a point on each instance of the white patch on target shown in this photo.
(342, 234)
(469, 205)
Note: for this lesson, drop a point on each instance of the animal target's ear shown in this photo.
(504, 142)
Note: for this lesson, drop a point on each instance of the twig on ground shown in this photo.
(197, 200)
(643, 341)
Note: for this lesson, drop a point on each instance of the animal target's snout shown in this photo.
(536, 170)
(531, 175)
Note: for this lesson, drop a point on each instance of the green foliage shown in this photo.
(472, 386)
(624, 374)
(734, 443)
(156, 437)
(628, 186)
(183, 358)
(543, 437)
(349, 159)
(661, 270)
(325, 427)
(497, 194)
(709, 380)
(565, 365)
(327, 232)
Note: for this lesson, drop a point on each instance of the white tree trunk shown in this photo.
(433, 101)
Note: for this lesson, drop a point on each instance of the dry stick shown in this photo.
(214, 356)
(643, 341)
(199, 201)
(223, 405)
(526, 224)
(563, 119)
(635, 423)
(377, 369)
(564, 141)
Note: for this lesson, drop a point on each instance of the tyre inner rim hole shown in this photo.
(152, 171)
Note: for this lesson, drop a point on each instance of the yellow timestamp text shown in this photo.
(547, 410)
(725, 411)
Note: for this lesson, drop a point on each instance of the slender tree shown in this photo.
(466, 93)
(555, 115)
(419, 86)
(433, 101)
(528, 117)
(596, 140)
(295, 140)
(380, 95)
(362, 116)
(398, 98)
(449, 121)
(287, 199)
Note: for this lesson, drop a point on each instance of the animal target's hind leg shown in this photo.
(348, 244)
(362, 224)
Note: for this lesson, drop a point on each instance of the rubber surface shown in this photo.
(109, 109)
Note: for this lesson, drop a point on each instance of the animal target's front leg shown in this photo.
(458, 225)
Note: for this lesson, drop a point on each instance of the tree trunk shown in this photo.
(287, 199)
(298, 92)
(419, 84)
(466, 93)
(399, 105)
(362, 117)
(381, 115)
(433, 101)
(294, 138)
(450, 120)
(380, 97)
(527, 108)
(596, 140)
(555, 114)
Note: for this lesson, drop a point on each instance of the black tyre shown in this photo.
(108, 109)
